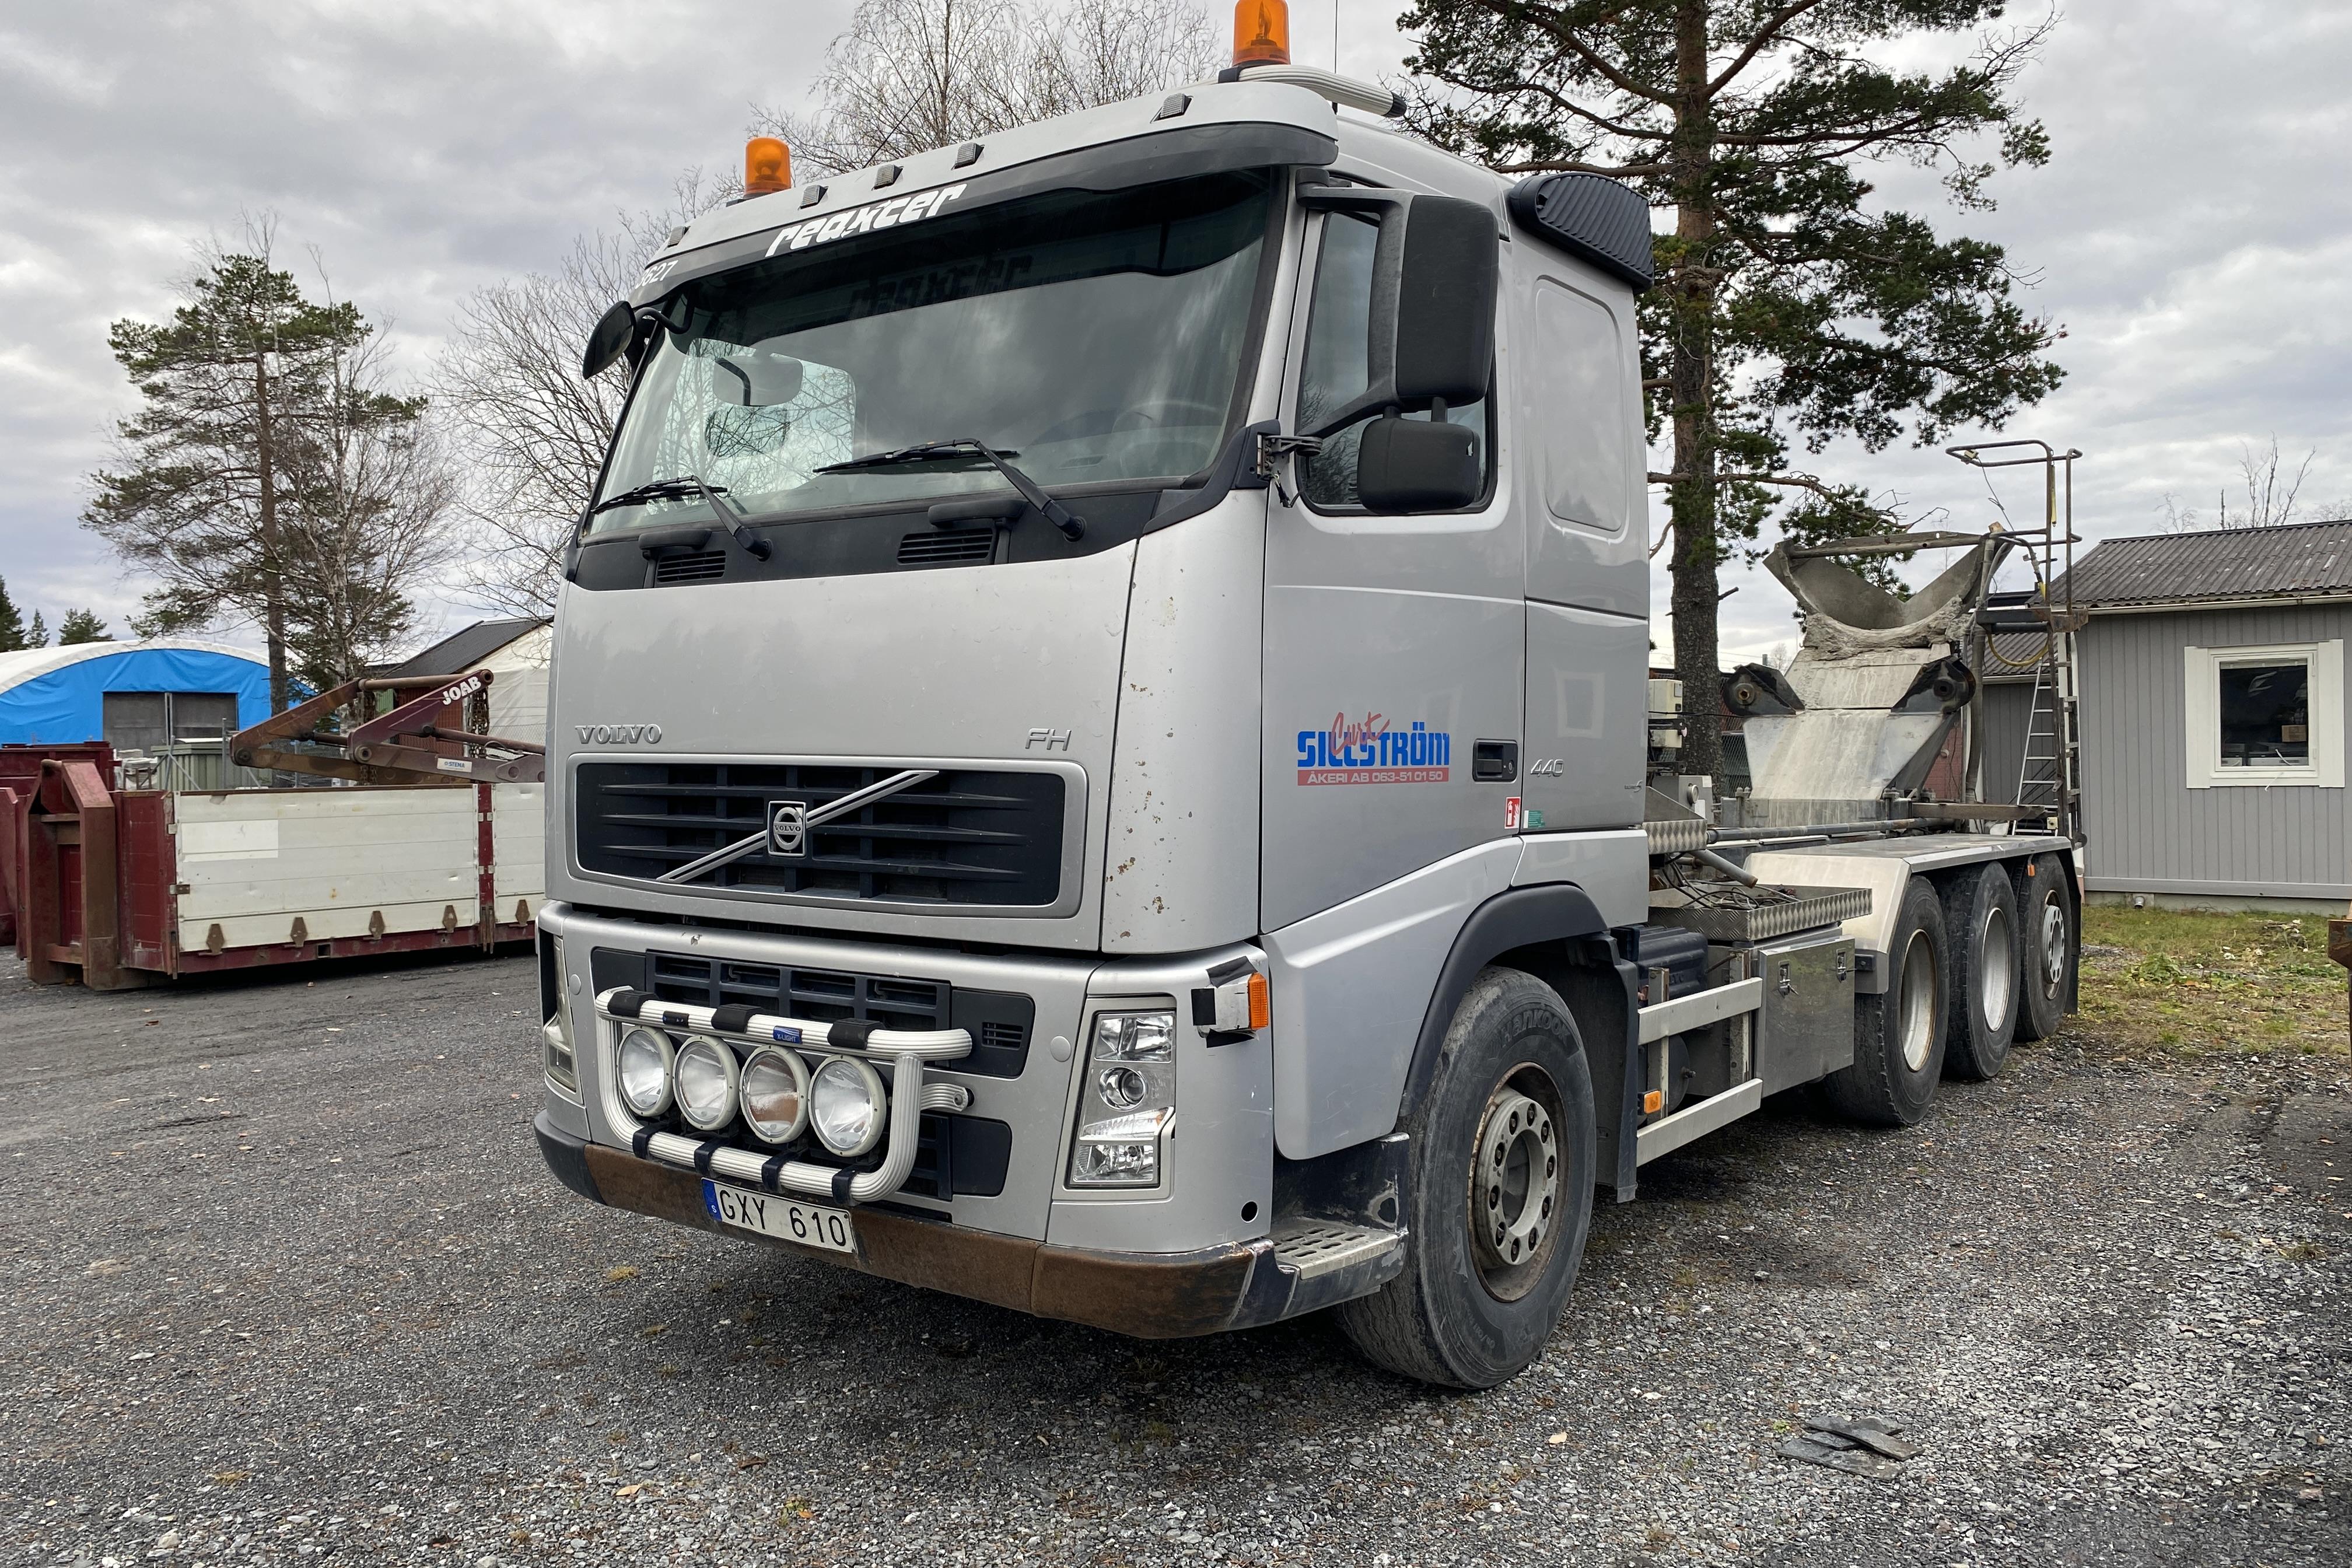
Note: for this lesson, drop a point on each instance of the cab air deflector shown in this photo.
(1592, 218)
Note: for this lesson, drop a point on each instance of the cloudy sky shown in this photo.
(2193, 232)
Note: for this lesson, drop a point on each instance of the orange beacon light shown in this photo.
(767, 166)
(1261, 32)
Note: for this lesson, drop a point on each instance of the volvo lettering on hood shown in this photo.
(619, 734)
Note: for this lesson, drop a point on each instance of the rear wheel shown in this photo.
(2046, 909)
(1500, 1198)
(1899, 1035)
(1980, 917)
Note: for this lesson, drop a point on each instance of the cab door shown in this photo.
(1588, 581)
(1393, 645)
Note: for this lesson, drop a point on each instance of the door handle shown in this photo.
(1495, 761)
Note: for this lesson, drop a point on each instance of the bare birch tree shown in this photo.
(372, 490)
(912, 75)
(2273, 496)
(514, 407)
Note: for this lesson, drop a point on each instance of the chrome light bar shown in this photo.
(904, 1050)
(846, 1036)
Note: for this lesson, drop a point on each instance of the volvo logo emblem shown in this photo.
(788, 827)
(619, 734)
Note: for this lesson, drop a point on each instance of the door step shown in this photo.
(1314, 1248)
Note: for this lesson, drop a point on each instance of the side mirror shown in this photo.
(1436, 268)
(1413, 465)
(1441, 336)
(608, 340)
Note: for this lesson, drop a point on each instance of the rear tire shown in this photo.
(1500, 1193)
(1981, 916)
(2047, 929)
(1899, 1035)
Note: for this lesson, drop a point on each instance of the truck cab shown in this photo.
(1097, 734)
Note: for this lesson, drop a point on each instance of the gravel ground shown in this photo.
(285, 1279)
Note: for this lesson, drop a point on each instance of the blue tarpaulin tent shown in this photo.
(59, 694)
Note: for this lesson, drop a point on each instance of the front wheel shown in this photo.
(1500, 1198)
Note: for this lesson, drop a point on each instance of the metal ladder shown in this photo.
(2049, 774)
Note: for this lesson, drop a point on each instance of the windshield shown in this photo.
(1096, 337)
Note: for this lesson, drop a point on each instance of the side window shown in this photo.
(1579, 386)
(1337, 362)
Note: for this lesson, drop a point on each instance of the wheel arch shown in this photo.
(1555, 932)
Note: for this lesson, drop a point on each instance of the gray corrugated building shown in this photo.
(2212, 714)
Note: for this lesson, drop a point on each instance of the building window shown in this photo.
(2266, 715)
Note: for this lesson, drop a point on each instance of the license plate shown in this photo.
(785, 1218)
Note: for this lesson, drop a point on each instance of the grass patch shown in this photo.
(2185, 983)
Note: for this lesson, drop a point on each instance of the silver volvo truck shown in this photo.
(1100, 747)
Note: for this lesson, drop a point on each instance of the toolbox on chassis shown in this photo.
(1099, 752)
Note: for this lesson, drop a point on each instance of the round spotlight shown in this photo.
(643, 1061)
(845, 1101)
(707, 1077)
(775, 1095)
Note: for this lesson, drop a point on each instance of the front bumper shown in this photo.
(1148, 1295)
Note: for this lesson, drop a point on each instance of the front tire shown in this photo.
(1500, 1193)
(1981, 916)
(1899, 1035)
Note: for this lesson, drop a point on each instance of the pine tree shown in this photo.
(11, 623)
(81, 627)
(241, 391)
(1789, 305)
(39, 635)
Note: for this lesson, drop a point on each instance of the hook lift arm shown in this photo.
(383, 749)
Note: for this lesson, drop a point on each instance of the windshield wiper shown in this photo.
(677, 489)
(1072, 526)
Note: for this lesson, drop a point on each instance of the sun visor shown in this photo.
(1592, 218)
(1173, 154)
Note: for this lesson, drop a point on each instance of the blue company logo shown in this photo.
(1368, 750)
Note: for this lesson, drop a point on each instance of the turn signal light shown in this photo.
(1261, 32)
(1261, 1008)
(767, 166)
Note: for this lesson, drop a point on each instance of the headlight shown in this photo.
(1135, 1036)
(556, 1057)
(846, 1104)
(643, 1061)
(707, 1078)
(775, 1095)
(1127, 1101)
